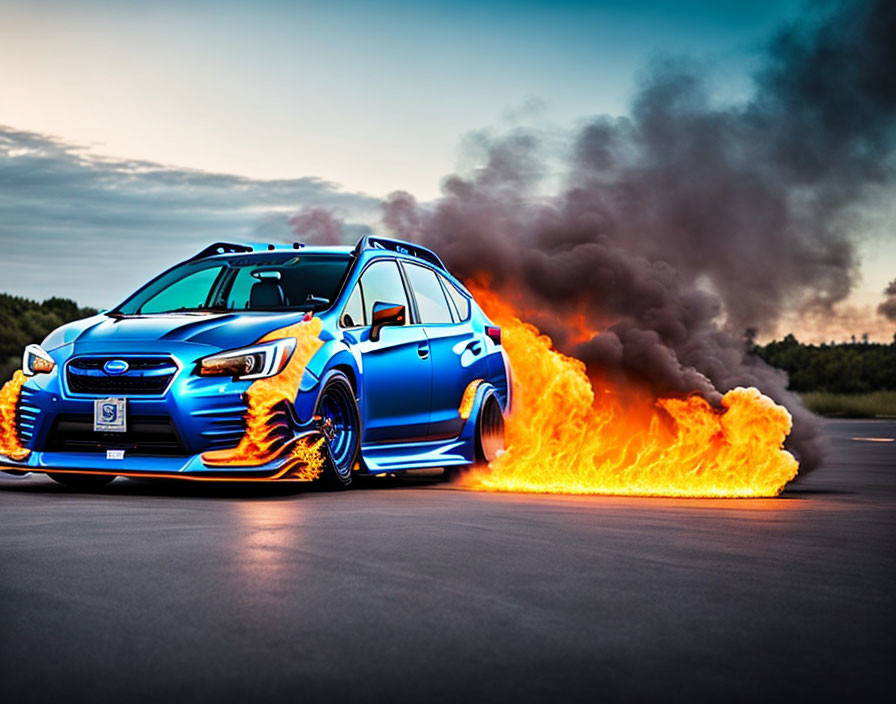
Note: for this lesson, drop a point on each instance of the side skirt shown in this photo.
(451, 452)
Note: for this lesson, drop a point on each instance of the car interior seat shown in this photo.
(267, 294)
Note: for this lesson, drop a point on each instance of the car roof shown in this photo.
(368, 247)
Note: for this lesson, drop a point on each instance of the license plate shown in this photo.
(110, 415)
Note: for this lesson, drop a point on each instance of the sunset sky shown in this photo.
(255, 109)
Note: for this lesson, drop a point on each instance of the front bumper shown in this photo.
(189, 467)
(168, 434)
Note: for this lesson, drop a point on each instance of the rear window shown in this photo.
(461, 302)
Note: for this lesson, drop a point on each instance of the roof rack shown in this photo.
(234, 248)
(399, 246)
(221, 248)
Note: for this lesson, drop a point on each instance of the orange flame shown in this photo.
(466, 401)
(9, 399)
(569, 435)
(267, 436)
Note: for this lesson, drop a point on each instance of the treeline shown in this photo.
(846, 368)
(23, 321)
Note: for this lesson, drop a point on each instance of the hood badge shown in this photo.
(115, 367)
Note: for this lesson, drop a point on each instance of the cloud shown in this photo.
(78, 225)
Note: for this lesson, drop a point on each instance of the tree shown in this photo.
(23, 321)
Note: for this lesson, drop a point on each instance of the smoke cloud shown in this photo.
(317, 225)
(679, 227)
(888, 307)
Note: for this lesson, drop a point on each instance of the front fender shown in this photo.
(334, 353)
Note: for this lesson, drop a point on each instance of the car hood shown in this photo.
(219, 330)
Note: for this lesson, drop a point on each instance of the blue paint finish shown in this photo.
(409, 385)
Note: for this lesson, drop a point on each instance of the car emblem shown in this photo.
(115, 367)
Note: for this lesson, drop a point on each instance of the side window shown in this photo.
(381, 282)
(431, 303)
(461, 302)
(192, 291)
(353, 313)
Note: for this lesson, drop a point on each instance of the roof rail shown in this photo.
(400, 246)
(220, 248)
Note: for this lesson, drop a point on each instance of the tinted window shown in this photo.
(461, 302)
(382, 284)
(353, 313)
(261, 281)
(192, 291)
(431, 303)
(241, 289)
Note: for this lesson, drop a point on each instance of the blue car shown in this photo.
(267, 362)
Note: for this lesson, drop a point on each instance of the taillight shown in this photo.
(494, 334)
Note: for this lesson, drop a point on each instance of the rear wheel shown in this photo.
(341, 425)
(489, 430)
(489, 437)
(82, 482)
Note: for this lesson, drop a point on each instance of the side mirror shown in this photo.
(386, 314)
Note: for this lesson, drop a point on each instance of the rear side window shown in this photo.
(461, 302)
(381, 283)
(431, 303)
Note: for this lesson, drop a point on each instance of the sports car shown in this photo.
(258, 362)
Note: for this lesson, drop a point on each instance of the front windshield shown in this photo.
(264, 281)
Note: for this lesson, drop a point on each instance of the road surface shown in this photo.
(415, 591)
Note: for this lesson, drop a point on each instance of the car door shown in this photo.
(396, 377)
(458, 353)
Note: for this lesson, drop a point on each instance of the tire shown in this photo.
(489, 430)
(336, 405)
(489, 437)
(82, 482)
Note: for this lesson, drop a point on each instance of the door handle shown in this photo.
(423, 350)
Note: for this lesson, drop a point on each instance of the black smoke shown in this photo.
(680, 227)
(888, 307)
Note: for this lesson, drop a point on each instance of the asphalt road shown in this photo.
(414, 591)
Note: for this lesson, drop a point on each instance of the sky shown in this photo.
(375, 96)
(132, 133)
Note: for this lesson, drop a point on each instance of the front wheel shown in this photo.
(82, 482)
(340, 423)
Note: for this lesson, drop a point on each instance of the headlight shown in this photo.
(36, 361)
(250, 363)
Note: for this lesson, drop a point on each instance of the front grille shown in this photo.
(146, 435)
(123, 385)
(146, 376)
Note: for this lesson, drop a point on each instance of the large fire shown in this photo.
(267, 435)
(574, 435)
(9, 399)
